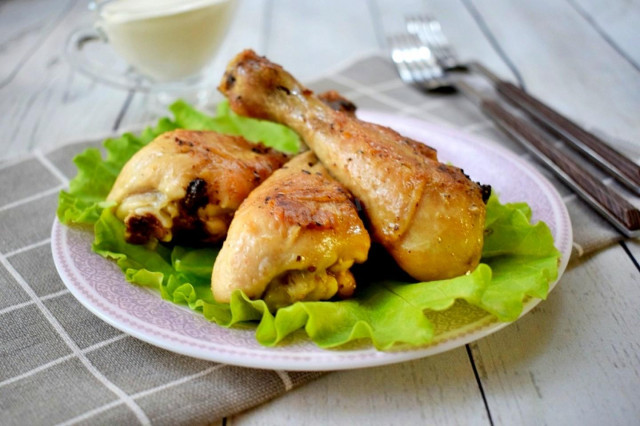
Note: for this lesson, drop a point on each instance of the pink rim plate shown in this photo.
(100, 286)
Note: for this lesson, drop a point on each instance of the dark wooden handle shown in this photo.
(574, 174)
(620, 166)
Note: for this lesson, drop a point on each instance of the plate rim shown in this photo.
(323, 359)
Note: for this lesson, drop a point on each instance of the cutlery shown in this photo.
(417, 66)
(626, 171)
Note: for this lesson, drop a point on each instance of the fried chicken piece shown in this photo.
(428, 215)
(338, 102)
(294, 238)
(188, 184)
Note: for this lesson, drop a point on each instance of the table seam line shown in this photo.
(596, 27)
(630, 254)
(484, 28)
(123, 111)
(479, 383)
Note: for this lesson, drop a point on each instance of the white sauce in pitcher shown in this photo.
(166, 40)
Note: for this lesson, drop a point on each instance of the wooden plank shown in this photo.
(435, 390)
(578, 363)
(390, 16)
(575, 358)
(22, 30)
(567, 63)
(311, 37)
(618, 20)
(47, 103)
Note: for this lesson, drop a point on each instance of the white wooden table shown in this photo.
(576, 358)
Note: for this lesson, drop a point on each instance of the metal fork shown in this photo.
(416, 66)
(429, 31)
(627, 172)
(416, 63)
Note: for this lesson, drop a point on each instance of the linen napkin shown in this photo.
(61, 364)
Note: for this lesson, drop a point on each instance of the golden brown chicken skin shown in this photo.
(294, 238)
(428, 215)
(188, 184)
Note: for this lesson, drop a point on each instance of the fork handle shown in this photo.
(603, 198)
(619, 166)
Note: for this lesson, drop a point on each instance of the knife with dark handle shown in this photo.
(594, 148)
(429, 31)
(604, 199)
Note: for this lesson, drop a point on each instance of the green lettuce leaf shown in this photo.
(226, 121)
(519, 261)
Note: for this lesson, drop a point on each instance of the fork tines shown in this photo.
(418, 65)
(415, 62)
(430, 33)
(592, 147)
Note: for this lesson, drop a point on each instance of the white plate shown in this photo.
(100, 286)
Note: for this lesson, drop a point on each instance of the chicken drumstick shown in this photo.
(294, 238)
(428, 215)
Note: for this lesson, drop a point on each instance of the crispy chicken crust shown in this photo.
(294, 238)
(187, 184)
(428, 215)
